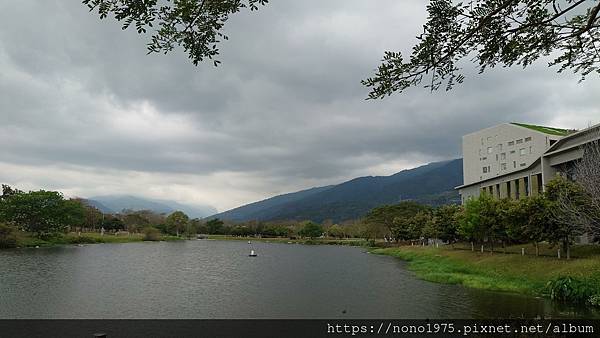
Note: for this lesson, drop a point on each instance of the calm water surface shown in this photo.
(217, 279)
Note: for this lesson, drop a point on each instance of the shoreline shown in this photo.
(25, 240)
(525, 275)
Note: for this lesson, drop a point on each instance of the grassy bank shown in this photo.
(498, 272)
(27, 240)
(325, 241)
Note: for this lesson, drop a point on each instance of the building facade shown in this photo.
(514, 160)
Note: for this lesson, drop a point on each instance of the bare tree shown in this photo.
(587, 174)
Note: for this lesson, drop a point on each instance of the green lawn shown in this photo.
(27, 240)
(497, 271)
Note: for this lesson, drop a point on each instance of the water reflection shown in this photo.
(217, 279)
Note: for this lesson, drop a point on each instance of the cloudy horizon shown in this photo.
(85, 111)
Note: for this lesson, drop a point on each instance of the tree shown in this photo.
(43, 213)
(336, 231)
(194, 25)
(214, 226)
(446, 220)
(135, 222)
(311, 230)
(177, 222)
(530, 220)
(390, 216)
(470, 221)
(587, 174)
(568, 211)
(423, 226)
(493, 32)
(111, 222)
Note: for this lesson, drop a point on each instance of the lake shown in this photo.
(217, 279)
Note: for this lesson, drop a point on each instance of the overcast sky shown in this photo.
(85, 111)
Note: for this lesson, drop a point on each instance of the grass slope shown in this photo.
(498, 271)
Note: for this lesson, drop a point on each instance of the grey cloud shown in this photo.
(284, 111)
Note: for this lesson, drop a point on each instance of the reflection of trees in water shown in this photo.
(504, 305)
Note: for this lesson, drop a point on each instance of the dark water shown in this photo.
(217, 279)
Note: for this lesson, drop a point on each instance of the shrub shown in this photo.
(594, 300)
(83, 240)
(8, 237)
(151, 234)
(568, 289)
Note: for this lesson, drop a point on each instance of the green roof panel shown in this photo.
(545, 130)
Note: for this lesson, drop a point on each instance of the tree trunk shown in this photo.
(537, 248)
(472, 247)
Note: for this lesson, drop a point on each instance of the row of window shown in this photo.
(503, 166)
(505, 189)
(509, 143)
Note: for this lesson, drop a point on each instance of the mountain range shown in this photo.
(118, 203)
(431, 184)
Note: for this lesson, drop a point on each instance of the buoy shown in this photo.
(248, 242)
(37, 246)
(252, 253)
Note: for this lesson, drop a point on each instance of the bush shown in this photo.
(151, 234)
(83, 240)
(594, 300)
(8, 237)
(568, 289)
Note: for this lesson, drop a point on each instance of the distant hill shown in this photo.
(118, 203)
(431, 184)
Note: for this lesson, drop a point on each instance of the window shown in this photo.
(530, 149)
(512, 151)
(496, 157)
(485, 170)
(527, 139)
(489, 150)
(503, 156)
(523, 164)
(514, 164)
(522, 151)
(519, 141)
(511, 143)
(499, 147)
(503, 166)
(484, 158)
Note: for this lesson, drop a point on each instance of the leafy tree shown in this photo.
(493, 32)
(177, 222)
(390, 216)
(568, 211)
(429, 228)
(194, 25)
(7, 192)
(43, 213)
(311, 230)
(215, 226)
(336, 231)
(446, 220)
(470, 226)
(531, 220)
(112, 222)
